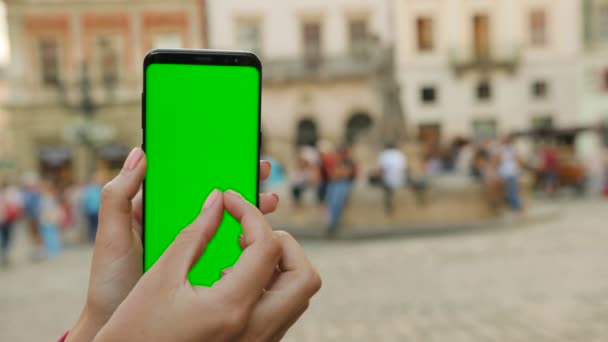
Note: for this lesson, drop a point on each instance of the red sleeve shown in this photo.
(64, 337)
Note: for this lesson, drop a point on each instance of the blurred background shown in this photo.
(442, 162)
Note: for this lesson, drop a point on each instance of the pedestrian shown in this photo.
(299, 178)
(327, 162)
(392, 165)
(306, 172)
(261, 297)
(509, 172)
(91, 199)
(10, 211)
(549, 168)
(339, 188)
(31, 210)
(50, 218)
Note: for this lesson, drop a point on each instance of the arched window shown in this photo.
(307, 134)
(357, 126)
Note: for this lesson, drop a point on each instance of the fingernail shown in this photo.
(276, 197)
(232, 192)
(266, 162)
(133, 159)
(211, 199)
(242, 243)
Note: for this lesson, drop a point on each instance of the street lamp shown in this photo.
(84, 130)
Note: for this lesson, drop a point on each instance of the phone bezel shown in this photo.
(199, 57)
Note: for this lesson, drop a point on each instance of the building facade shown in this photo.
(593, 74)
(75, 75)
(482, 68)
(318, 64)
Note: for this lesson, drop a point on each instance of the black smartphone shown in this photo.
(201, 126)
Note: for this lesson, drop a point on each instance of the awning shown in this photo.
(55, 155)
(113, 152)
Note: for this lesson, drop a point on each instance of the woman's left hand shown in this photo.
(117, 257)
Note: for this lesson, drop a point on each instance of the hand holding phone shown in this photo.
(164, 306)
(116, 266)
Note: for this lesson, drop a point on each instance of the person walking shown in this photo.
(392, 164)
(31, 210)
(339, 188)
(91, 199)
(550, 168)
(508, 168)
(50, 218)
(10, 211)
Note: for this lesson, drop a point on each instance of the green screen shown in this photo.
(201, 125)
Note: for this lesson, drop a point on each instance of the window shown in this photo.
(311, 37)
(540, 89)
(484, 129)
(542, 122)
(307, 133)
(481, 36)
(424, 29)
(538, 28)
(249, 36)
(484, 90)
(169, 40)
(358, 38)
(49, 61)
(357, 127)
(428, 94)
(108, 60)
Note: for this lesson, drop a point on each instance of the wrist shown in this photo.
(86, 328)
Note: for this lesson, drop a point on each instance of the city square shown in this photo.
(539, 281)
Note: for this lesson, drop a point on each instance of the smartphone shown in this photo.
(201, 131)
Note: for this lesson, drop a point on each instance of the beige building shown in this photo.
(593, 81)
(482, 68)
(318, 64)
(75, 77)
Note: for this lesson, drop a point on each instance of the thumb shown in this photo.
(191, 242)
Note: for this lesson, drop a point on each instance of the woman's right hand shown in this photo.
(259, 299)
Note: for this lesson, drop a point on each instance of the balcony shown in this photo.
(317, 67)
(463, 61)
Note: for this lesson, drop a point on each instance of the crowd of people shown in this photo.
(51, 215)
(496, 164)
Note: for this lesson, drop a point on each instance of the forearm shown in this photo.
(86, 328)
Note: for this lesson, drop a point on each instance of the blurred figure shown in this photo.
(306, 173)
(10, 211)
(392, 164)
(433, 165)
(549, 168)
(592, 153)
(91, 199)
(31, 210)
(464, 158)
(327, 163)
(50, 218)
(277, 173)
(339, 187)
(484, 169)
(509, 172)
(74, 199)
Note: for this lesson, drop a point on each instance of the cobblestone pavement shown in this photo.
(540, 282)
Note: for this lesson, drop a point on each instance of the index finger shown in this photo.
(256, 265)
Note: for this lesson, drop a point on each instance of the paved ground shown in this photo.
(540, 282)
